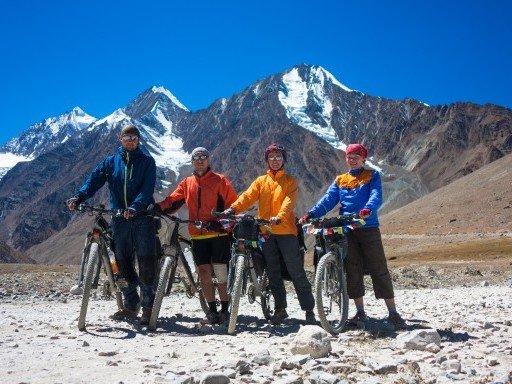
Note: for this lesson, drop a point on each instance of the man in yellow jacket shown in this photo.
(276, 193)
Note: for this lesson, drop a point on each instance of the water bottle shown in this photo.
(190, 259)
(113, 262)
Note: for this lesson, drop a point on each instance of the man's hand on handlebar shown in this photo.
(73, 202)
(226, 213)
(304, 219)
(129, 213)
(275, 220)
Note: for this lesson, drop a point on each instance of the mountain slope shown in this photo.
(416, 147)
(42, 137)
(480, 202)
(9, 255)
(31, 194)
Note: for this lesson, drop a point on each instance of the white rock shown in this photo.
(451, 365)
(312, 340)
(319, 377)
(214, 378)
(418, 339)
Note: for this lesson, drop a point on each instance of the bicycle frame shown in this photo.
(168, 273)
(330, 251)
(241, 268)
(172, 248)
(242, 248)
(95, 256)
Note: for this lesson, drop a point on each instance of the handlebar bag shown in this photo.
(247, 228)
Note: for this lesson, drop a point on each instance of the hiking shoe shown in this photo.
(76, 290)
(359, 317)
(310, 318)
(125, 313)
(223, 317)
(211, 318)
(146, 315)
(279, 316)
(396, 320)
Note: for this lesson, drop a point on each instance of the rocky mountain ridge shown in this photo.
(418, 148)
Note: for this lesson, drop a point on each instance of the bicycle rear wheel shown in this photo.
(165, 281)
(236, 292)
(89, 274)
(202, 300)
(331, 293)
(267, 299)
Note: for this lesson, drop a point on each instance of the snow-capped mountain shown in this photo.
(155, 113)
(418, 148)
(42, 137)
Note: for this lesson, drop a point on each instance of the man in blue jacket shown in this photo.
(131, 175)
(360, 191)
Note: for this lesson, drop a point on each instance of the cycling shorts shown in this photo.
(212, 250)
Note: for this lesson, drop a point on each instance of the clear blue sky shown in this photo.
(100, 55)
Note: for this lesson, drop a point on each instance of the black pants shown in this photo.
(366, 252)
(132, 237)
(287, 247)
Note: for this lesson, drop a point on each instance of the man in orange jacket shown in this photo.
(276, 193)
(203, 192)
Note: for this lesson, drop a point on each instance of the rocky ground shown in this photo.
(458, 315)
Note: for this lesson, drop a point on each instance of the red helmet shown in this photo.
(275, 147)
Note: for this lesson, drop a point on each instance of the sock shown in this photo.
(213, 306)
(392, 310)
(224, 306)
(360, 308)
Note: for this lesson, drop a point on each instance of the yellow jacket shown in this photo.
(276, 195)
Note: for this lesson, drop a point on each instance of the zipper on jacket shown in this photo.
(126, 179)
(199, 199)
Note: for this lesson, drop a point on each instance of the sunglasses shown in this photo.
(275, 158)
(129, 137)
(199, 157)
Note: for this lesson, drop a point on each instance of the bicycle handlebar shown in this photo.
(237, 218)
(156, 213)
(330, 222)
(100, 209)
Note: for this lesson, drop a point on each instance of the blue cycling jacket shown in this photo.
(354, 190)
(131, 179)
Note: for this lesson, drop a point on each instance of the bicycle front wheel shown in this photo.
(165, 281)
(89, 274)
(236, 292)
(331, 293)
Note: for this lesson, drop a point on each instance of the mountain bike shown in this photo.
(171, 254)
(98, 255)
(330, 288)
(243, 268)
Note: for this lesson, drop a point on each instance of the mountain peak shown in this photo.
(169, 95)
(316, 73)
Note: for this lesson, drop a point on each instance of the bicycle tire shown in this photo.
(89, 273)
(236, 293)
(331, 289)
(196, 283)
(266, 297)
(110, 281)
(203, 302)
(165, 281)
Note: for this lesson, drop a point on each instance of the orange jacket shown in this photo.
(277, 196)
(201, 194)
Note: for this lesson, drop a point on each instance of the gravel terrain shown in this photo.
(458, 315)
